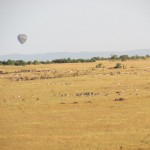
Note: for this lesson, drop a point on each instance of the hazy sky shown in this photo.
(74, 25)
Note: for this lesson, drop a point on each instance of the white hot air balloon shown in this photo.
(22, 38)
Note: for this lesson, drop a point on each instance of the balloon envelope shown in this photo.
(22, 38)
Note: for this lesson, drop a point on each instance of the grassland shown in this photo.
(75, 106)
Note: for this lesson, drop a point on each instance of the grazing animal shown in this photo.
(119, 99)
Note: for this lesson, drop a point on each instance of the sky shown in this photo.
(74, 25)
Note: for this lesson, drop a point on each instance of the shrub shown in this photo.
(99, 65)
(118, 65)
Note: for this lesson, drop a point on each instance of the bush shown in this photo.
(99, 65)
(118, 65)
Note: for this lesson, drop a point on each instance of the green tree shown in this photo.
(124, 57)
(36, 62)
(20, 63)
(10, 62)
(114, 57)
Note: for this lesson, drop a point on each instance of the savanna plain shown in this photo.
(75, 106)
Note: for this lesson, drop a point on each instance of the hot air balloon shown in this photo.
(22, 38)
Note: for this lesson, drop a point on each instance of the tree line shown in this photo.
(69, 60)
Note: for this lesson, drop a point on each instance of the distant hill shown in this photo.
(73, 55)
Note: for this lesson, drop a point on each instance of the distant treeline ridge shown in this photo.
(69, 60)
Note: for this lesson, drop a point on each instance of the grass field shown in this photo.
(75, 106)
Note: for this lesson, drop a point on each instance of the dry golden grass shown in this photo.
(75, 108)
